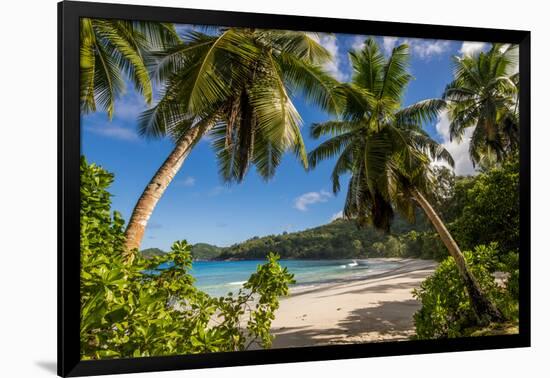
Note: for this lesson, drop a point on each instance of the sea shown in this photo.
(218, 278)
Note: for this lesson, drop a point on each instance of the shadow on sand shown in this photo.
(388, 320)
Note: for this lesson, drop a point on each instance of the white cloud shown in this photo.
(114, 131)
(472, 48)
(458, 149)
(188, 181)
(130, 105)
(330, 43)
(337, 215)
(302, 202)
(422, 48)
(358, 42)
(428, 48)
(388, 43)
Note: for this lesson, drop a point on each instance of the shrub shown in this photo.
(130, 308)
(446, 310)
(424, 245)
(490, 209)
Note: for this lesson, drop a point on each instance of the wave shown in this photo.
(237, 283)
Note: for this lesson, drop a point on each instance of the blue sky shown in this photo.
(198, 207)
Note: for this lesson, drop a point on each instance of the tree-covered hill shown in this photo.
(199, 251)
(152, 252)
(461, 201)
(205, 251)
(339, 239)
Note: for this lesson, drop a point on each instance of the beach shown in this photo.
(355, 310)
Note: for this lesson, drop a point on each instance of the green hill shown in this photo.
(152, 252)
(204, 251)
(339, 239)
(199, 251)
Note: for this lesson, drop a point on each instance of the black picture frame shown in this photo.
(69, 13)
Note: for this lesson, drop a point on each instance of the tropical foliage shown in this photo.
(462, 201)
(236, 85)
(446, 308)
(111, 50)
(340, 239)
(490, 209)
(484, 96)
(241, 81)
(489, 214)
(131, 308)
(380, 144)
(388, 155)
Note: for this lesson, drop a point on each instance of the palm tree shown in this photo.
(110, 49)
(387, 154)
(237, 86)
(484, 95)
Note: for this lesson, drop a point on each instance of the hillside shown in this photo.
(205, 251)
(337, 240)
(152, 252)
(199, 251)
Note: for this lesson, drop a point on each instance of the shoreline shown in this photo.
(353, 310)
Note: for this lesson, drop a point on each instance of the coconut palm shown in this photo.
(484, 95)
(387, 154)
(236, 86)
(112, 49)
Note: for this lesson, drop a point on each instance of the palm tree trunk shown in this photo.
(156, 187)
(485, 310)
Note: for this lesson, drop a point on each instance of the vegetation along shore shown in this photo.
(427, 251)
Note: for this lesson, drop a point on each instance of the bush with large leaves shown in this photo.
(490, 211)
(446, 309)
(131, 308)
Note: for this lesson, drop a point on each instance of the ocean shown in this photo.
(218, 278)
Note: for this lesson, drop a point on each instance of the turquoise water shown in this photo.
(220, 277)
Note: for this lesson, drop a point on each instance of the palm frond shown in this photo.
(108, 83)
(121, 45)
(421, 112)
(318, 130)
(329, 149)
(368, 67)
(396, 75)
(314, 83)
(303, 46)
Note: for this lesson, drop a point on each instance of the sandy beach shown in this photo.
(376, 308)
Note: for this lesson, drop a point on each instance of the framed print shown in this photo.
(239, 188)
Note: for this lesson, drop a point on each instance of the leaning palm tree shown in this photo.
(237, 87)
(387, 154)
(484, 96)
(112, 49)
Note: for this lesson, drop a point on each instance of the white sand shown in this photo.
(377, 308)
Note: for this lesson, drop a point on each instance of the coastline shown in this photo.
(356, 310)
